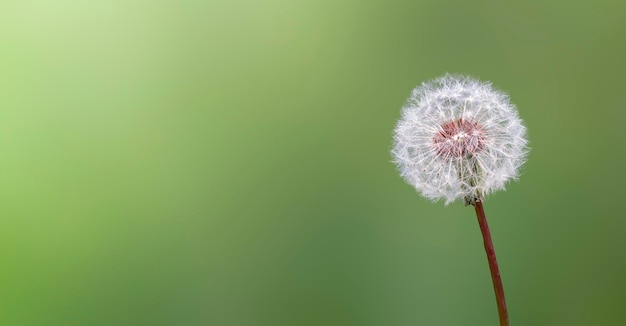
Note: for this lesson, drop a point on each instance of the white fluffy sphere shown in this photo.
(458, 138)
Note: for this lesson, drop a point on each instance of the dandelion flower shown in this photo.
(459, 138)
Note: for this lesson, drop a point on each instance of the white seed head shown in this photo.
(458, 138)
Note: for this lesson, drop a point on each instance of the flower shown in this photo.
(458, 138)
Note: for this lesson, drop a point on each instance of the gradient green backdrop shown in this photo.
(227, 163)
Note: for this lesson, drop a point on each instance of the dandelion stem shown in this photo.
(493, 263)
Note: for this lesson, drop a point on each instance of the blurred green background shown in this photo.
(227, 163)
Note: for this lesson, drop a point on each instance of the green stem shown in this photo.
(493, 263)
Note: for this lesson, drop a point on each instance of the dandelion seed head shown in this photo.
(458, 138)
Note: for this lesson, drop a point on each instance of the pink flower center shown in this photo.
(458, 138)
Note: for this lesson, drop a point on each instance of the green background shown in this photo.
(227, 163)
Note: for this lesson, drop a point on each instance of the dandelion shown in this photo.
(459, 138)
